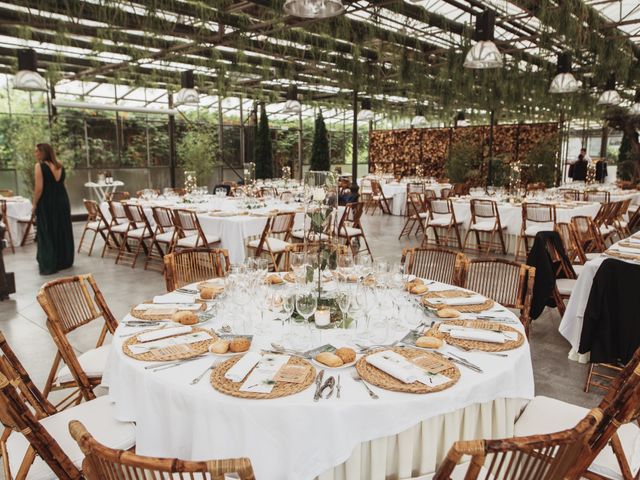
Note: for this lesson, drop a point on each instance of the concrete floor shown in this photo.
(23, 322)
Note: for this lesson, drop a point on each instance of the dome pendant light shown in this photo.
(418, 120)
(610, 96)
(484, 54)
(292, 105)
(564, 81)
(28, 77)
(635, 108)
(365, 114)
(313, 8)
(187, 95)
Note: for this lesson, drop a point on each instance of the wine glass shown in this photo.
(343, 299)
(288, 305)
(363, 262)
(345, 266)
(365, 300)
(306, 304)
(298, 263)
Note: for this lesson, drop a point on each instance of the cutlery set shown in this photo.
(330, 383)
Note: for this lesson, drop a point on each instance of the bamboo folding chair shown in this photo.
(7, 227)
(445, 192)
(350, 228)
(541, 457)
(485, 220)
(442, 220)
(138, 233)
(95, 223)
(412, 187)
(508, 283)
(118, 196)
(306, 234)
(600, 196)
(378, 198)
(194, 265)
(429, 194)
(28, 222)
(565, 276)
(70, 303)
(588, 235)
(571, 245)
(286, 196)
(612, 445)
(308, 247)
(104, 463)
(365, 193)
(275, 238)
(268, 192)
(416, 215)
(570, 194)
(164, 233)
(117, 227)
(441, 265)
(189, 233)
(617, 219)
(536, 217)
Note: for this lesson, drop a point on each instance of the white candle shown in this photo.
(322, 317)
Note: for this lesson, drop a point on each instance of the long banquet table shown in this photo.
(213, 216)
(401, 435)
(18, 208)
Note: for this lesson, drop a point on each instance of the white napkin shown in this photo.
(163, 333)
(477, 334)
(633, 240)
(260, 379)
(175, 297)
(631, 250)
(170, 342)
(395, 365)
(242, 367)
(165, 306)
(472, 300)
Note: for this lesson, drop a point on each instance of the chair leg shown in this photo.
(501, 238)
(457, 231)
(9, 236)
(26, 234)
(84, 231)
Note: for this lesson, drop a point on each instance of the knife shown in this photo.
(330, 384)
(316, 396)
(461, 361)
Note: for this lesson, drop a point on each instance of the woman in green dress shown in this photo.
(53, 213)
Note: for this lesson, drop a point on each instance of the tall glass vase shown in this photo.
(321, 216)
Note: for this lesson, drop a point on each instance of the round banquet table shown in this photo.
(355, 437)
(18, 208)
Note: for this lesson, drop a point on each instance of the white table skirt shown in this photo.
(295, 438)
(17, 209)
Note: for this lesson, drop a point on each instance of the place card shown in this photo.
(292, 373)
(430, 364)
(152, 313)
(166, 343)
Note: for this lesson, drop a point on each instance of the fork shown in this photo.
(126, 335)
(199, 377)
(371, 393)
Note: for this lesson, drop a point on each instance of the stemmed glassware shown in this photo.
(299, 262)
(345, 266)
(343, 299)
(288, 305)
(365, 300)
(364, 263)
(306, 305)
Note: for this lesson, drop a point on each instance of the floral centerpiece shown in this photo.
(190, 181)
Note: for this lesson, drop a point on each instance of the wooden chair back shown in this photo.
(186, 223)
(93, 210)
(137, 217)
(508, 283)
(532, 187)
(118, 212)
(366, 186)
(15, 414)
(430, 194)
(351, 215)
(416, 204)
(286, 196)
(538, 213)
(118, 196)
(163, 217)
(376, 188)
(194, 265)
(268, 192)
(542, 457)
(600, 196)
(570, 194)
(70, 303)
(587, 234)
(482, 210)
(439, 264)
(445, 192)
(414, 188)
(103, 463)
(569, 241)
(604, 214)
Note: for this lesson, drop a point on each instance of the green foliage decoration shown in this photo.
(198, 150)
(263, 147)
(320, 155)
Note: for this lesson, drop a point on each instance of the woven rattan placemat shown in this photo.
(377, 377)
(474, 344)
(486, 305)
(178, 352)
(280, 389)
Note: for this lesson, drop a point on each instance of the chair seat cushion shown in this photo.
(139, 233)
(92, 361)
(592, 255)
(164, 237)
(120, 228)
(545, 415)
(606, 229)
(96, 225)
(98, 416)
(534, 228)
(441, 220)
(565, 285)
(271, 244)
(484, 226)
(349, 231)
(194, 240)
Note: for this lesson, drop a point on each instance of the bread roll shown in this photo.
(418, 289)
(185, 318)
(429, 342)
(347, 355)
(352, 278)
(240, 344)
(413, 283)
(448, 313)
(274, 279)
(221, 346)
(329, 359)
(208, 293)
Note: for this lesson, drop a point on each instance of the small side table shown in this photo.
(102, 190)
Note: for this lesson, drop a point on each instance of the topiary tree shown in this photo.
(320, 157)
(629, 154)
(263, 147)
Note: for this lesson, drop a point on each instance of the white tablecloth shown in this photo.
(296, 438)
(17, 208)
(233, 231)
